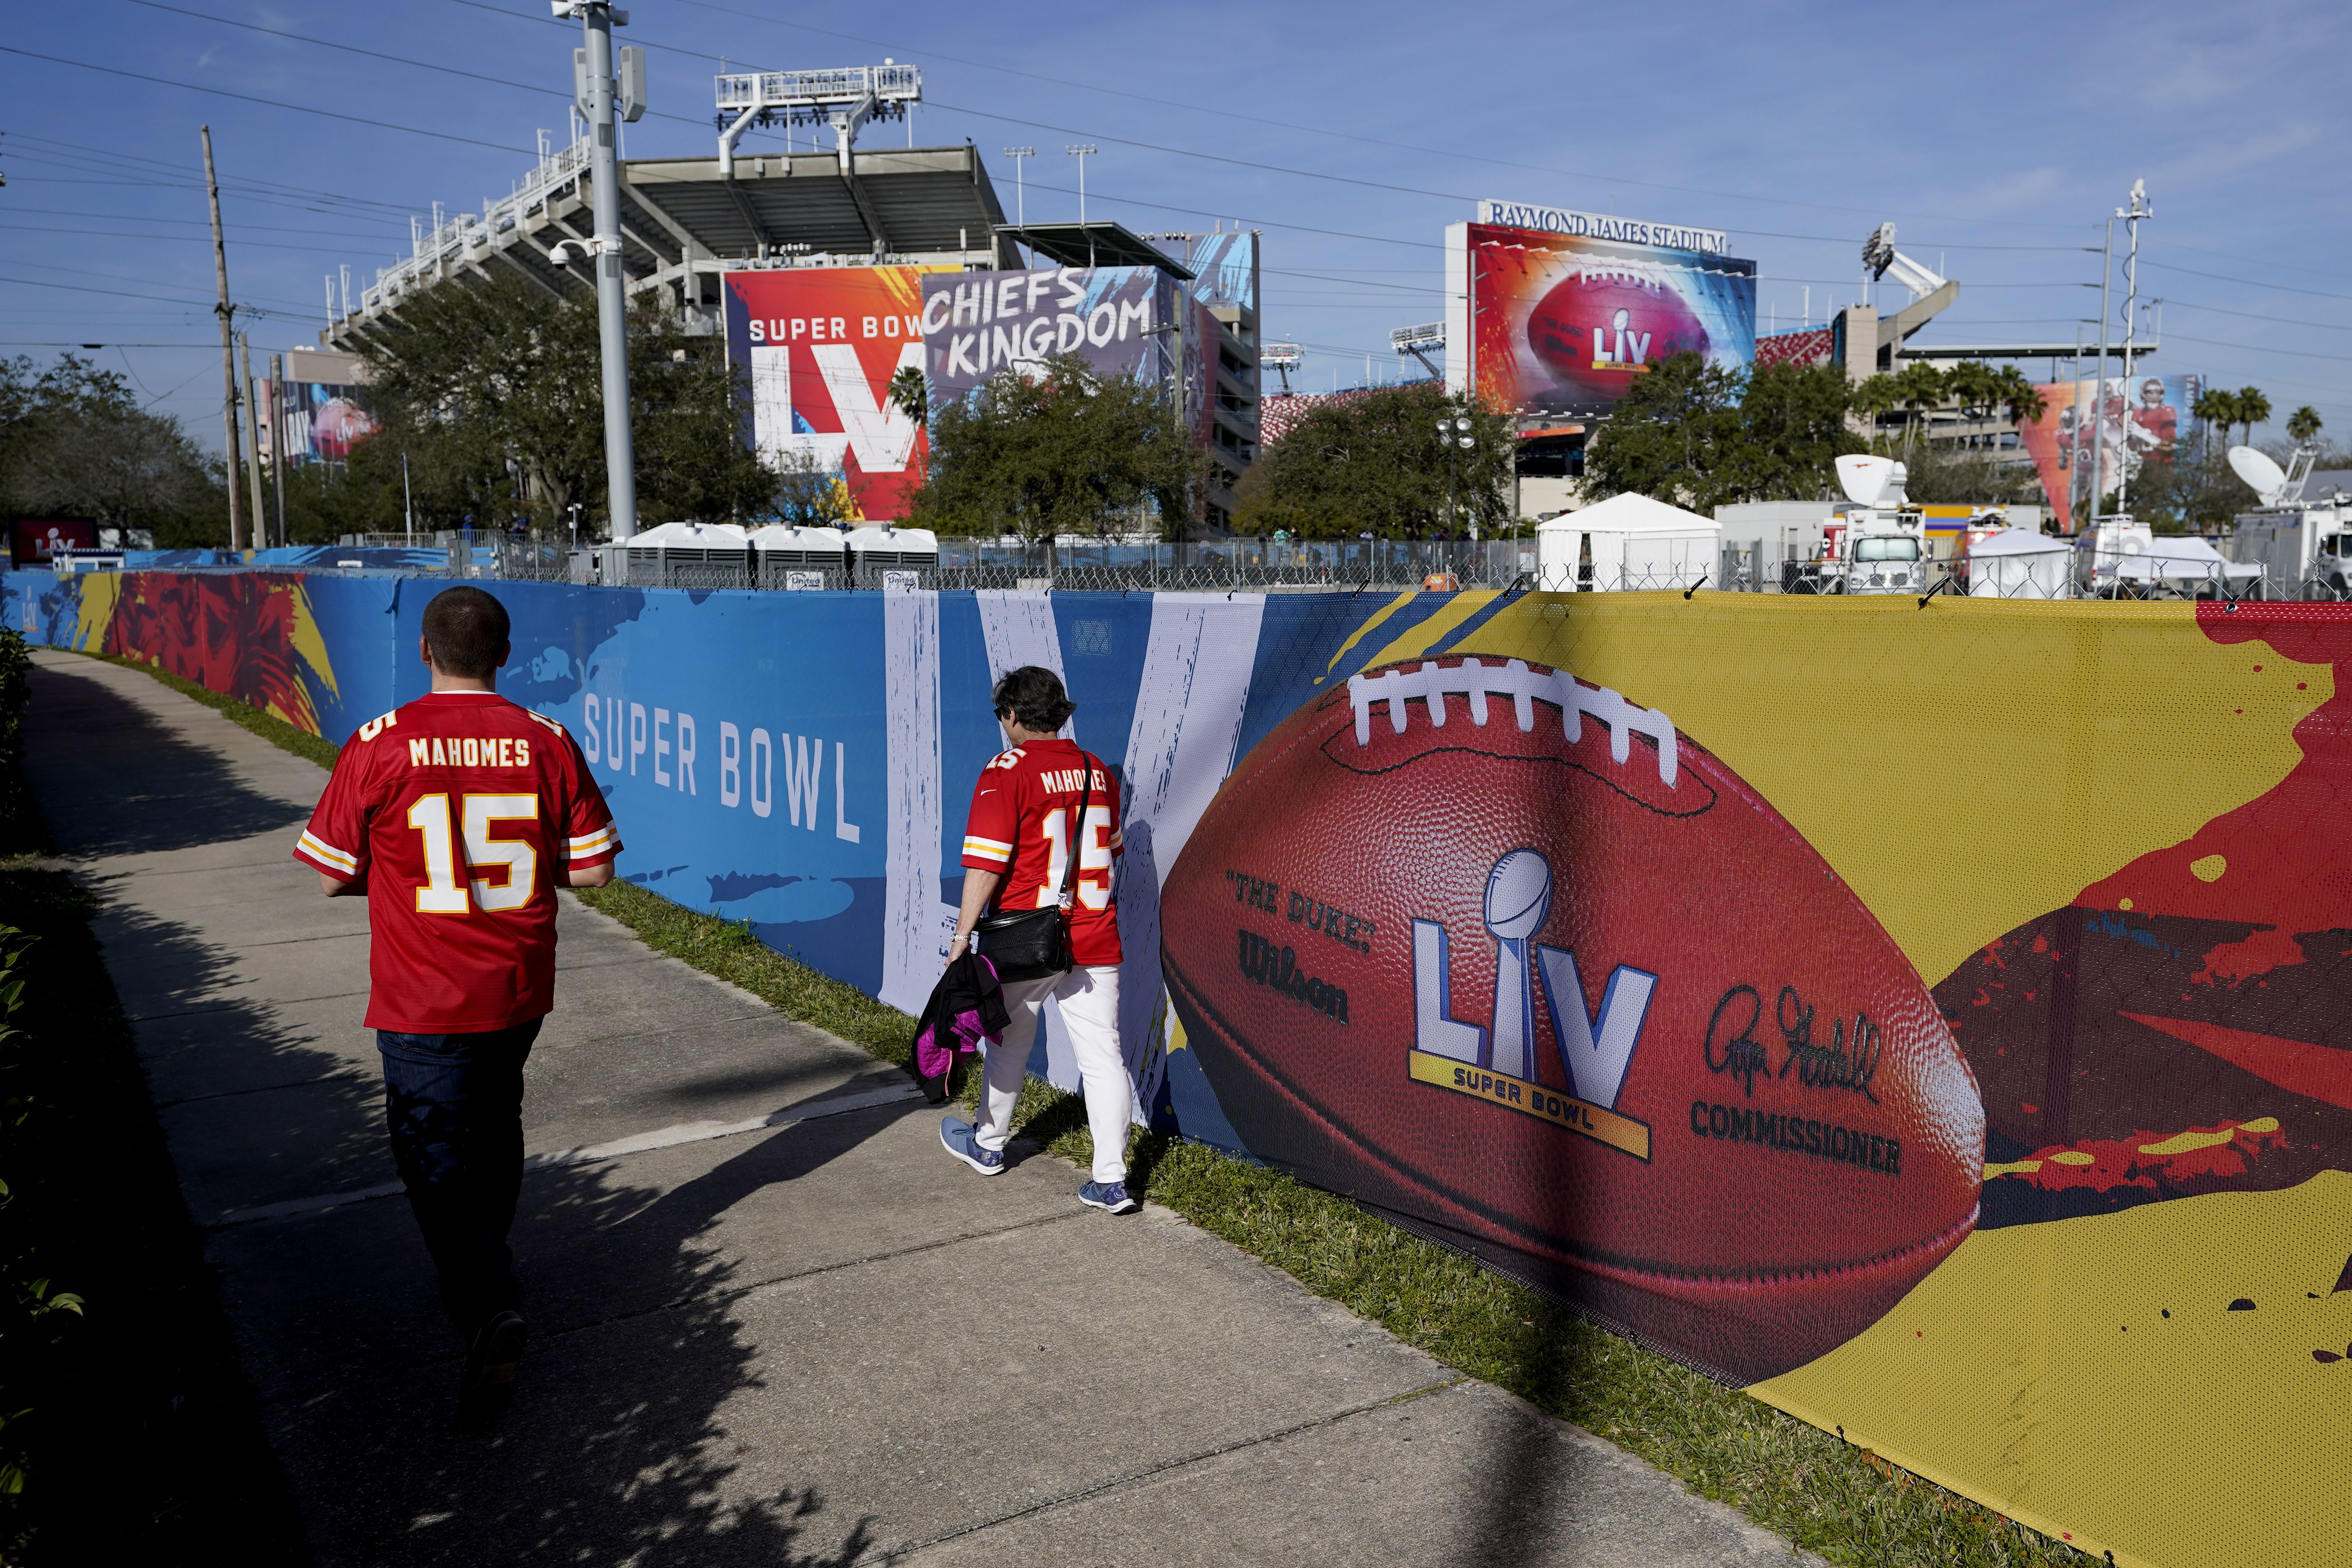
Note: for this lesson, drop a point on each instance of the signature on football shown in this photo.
(1849, 1062)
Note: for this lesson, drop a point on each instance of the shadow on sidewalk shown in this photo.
(639, 1433)
(160, 793)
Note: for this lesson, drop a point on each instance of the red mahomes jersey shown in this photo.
(457, 808)
(1021, 824)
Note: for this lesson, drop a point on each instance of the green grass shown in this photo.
(130, 1432)
(270, 728)
(1829, 1497)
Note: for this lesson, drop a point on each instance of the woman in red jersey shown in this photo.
(1039, 802)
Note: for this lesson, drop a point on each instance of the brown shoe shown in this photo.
(487, 1386)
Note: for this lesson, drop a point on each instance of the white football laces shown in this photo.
(1430, 683)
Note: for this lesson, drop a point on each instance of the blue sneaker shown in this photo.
(1110, 1196)
(958, 1139)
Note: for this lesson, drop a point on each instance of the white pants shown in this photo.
(1089, 1000)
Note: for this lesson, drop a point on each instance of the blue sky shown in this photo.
(1997, 137)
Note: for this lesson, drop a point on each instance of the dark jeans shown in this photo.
(453, 1104)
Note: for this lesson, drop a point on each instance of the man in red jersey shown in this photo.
(458, 816)
(1035, 805)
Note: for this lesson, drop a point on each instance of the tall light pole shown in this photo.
(597, 20)
(1020, 193)
(1082, 151)
(2131, 216)
(2099, 383)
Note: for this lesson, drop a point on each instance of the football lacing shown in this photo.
(1431, 682)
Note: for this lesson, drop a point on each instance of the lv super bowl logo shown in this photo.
(1498, 1064)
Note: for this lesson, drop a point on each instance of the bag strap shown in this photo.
(1078, 834)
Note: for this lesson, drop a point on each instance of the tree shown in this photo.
(1063, 449)
(493, 391)
(2304, 425)
(74, 442)
(809, 495)
(2217, 409)
(1700, 435)
(1374, 463)
(2253, 409)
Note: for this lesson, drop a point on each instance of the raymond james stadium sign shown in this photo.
(1597, 225)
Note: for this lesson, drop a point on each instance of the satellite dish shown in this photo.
(2266, 478)
(1865, 479)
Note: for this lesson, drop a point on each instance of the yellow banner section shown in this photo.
(1964, 766)
(1532, 1100)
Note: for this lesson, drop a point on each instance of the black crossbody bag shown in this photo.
(1034, 944)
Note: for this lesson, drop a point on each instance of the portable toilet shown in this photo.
(888, 557)
(789, 556)
(1627, 542)
(685, 555)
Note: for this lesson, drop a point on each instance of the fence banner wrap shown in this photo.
(1928, 1018)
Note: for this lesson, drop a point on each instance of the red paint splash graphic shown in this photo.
(232, 634)
(2150, 1161)
(2276, 863)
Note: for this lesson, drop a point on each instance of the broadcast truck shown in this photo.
(2303, 544)
(1879, 544)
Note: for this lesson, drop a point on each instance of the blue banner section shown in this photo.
(804, 762)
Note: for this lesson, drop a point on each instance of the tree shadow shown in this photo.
(160, 793)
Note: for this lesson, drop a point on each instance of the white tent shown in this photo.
(1626, 542)
(2021, 563)
(2184, 556)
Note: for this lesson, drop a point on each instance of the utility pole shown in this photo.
(228, 347)
(597, 20)
(278, 438)
(2099, 385)
(2139, 209)
(252, 436)
(1020, 191)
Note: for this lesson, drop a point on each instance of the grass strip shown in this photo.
(269, 726)
(1828, 1495)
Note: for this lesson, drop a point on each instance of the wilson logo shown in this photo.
(1276, 968)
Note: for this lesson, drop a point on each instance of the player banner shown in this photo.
(1577, 931)
(2139, 419)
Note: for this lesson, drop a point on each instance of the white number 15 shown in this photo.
(442, 894)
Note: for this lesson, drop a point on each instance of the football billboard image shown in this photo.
(1561, 324)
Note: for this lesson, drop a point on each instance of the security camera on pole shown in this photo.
(593, 87)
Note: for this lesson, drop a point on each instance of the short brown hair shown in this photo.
(466, 631)
(1033, 694)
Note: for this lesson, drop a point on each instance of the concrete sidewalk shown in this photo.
(776, 1324)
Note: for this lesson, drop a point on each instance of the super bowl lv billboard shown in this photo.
(818, 348)
(1118, 319)
(1557, 323)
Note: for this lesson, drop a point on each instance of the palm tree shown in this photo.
(2253, 409)
(1875, 398)
(1918, 387)
(912, 395)
(2217, 409)
(2303, 425)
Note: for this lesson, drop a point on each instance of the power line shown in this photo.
(135, 218)
(1317, 130)
(2281, 288)
(2250, 316)
(2260, 349)
(185, 239)
(266, 103)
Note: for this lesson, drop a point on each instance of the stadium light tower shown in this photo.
(1082, 151)
(1020, 195)
(845, 98)
(600, 98)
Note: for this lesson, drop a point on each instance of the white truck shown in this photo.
(2303, 544)
(1879, 544)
